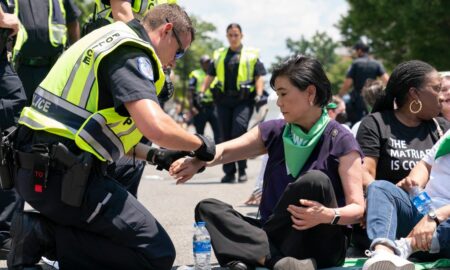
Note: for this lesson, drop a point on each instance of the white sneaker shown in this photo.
(383, 260)
(53, 264)
(404, 246)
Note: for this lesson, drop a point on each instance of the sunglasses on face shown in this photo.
(180, 52)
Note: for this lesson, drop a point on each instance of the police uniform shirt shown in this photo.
(12, 96)
(6, 10)
(231, 63)
(33, 14)
(127, 75)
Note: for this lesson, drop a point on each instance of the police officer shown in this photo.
(127, 171)
(362, 68)
(205, 111)
(49, 27)
(238, 84)
(12, 100)
(99, 111)
(108, 11)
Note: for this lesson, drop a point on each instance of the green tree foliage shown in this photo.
(401, 30)
(203, 44)
(322, 47)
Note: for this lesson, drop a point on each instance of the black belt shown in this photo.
(38, 61)
(26, 161)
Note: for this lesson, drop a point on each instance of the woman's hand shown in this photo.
(407, 184)
(422, 234)
(184, 168)
(310, 214)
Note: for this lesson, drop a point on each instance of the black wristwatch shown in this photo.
(336, 218)
(434, 217)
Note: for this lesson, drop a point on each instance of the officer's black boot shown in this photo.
(32, 237)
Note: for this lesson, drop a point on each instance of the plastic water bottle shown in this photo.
(202, 247)
(421, 200)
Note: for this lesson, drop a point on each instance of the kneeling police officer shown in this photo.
(94, 106)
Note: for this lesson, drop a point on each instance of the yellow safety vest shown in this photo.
(247, 62)
(200, 75)
(57, 30)
(66, 102)
(139, 7)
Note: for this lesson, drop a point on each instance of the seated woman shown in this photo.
(391, 215)
(394, 139)
(312, 183)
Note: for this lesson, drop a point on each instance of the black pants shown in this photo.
(355, 108)
(31, 77)
(12, 100)
(207, 114)
(10, 202)
(234, 117)
(236, 237)
(111, 229)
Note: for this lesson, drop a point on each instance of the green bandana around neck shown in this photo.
(444, 148)
(299, 145)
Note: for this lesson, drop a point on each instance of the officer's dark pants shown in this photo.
(12, 99)
(31, 77)
(128, 172)
(111, 229)
(355, 108)
(236, 237)
(234, 117)
(207, 114)
(10, 202)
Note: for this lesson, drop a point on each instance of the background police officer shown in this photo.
(362, 68)
(239, 82)
(12, 100)
(102, 113)
(205, 111)
(49, 27)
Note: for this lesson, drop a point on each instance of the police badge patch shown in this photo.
(145, 67)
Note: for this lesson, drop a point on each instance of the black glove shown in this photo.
(261, 100)
(197, 101)
(163, 158)
(207, 150)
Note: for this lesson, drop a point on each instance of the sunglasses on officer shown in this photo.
(180, 52)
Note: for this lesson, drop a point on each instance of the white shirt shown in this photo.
(438, 187)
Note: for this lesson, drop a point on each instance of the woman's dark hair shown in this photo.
(303, 71)
(406, 75)
(234, 25)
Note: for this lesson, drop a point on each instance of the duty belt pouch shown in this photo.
(75, 180)
(7, 166)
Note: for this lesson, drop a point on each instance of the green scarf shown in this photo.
(298, 145)
(444, 148)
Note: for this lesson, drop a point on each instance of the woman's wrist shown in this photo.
(329, 215)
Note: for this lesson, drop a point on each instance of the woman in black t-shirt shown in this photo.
(394, 140)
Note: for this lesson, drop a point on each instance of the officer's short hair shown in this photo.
(360, 45)
(173, 13)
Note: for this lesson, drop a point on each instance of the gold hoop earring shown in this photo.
(411, 105)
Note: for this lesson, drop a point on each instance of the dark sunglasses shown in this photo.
(180, 52)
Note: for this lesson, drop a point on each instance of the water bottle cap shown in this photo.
(201, 223)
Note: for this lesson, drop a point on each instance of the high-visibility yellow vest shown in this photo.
(247, 62)
(66, 102)
(57, 30)
(200, 75)
(139, 7)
